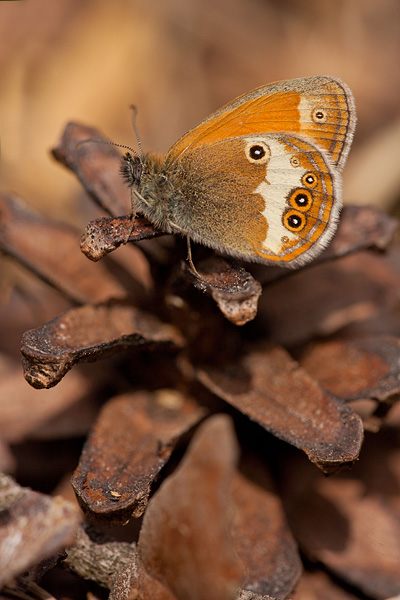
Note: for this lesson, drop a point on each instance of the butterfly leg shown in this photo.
(189, 249)
(132, 213)
(189, 258)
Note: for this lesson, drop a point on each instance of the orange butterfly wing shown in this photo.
(320, 109)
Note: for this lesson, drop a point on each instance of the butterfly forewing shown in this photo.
(320, 109)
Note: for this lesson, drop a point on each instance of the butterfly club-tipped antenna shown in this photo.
(108, 143)
(134, 110)
(132, 164)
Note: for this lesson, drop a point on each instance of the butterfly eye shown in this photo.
(294, 221)
(309, 180)
(257, 152)
(319, 115)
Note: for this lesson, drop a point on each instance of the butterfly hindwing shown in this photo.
(268, 197)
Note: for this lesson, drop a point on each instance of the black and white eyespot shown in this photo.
(300, 199)
(257, 152)
(295, 161)
(319, 115)
(309, 179)
(294, 221)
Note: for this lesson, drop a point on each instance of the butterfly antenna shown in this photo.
(94, 140)
(134, 115)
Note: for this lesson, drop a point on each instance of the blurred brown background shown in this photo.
(179, 60)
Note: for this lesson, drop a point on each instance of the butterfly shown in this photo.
(260, 178)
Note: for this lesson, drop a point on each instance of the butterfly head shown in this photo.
(132, 169)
